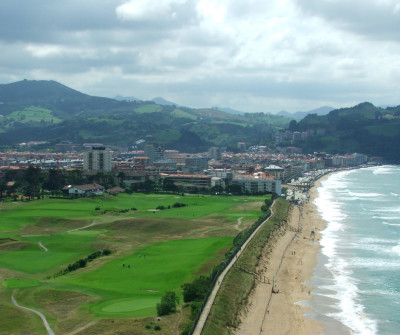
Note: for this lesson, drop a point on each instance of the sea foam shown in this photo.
(344, 288)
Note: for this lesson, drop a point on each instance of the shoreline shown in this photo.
(291, 265)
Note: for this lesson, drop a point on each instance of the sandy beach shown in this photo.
(288, 261)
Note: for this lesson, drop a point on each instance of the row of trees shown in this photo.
(34, 182)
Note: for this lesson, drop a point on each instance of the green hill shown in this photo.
(364, 128)
(50, 111)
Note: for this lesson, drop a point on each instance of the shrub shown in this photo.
(197, 290)
(178, 204)
(107, 252)
(168, 303)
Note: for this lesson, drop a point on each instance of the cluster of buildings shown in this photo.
(293, 137)
(255, 170)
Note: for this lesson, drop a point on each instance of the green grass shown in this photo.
(153, 270)
(34, 114)
(13, 283)
(183, 114)
(151, 108)
(63, 249)
(179, 243)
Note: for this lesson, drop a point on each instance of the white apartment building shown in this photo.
(97, 159)
(258, 183)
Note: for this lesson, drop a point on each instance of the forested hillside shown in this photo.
(363, 128)
(50, 111)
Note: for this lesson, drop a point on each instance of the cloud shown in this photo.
(255, 54)
(378, 19)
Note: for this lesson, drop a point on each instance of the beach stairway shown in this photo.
(261, 279)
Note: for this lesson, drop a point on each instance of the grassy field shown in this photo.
(34, 114)
(151, 108)
(161, 250)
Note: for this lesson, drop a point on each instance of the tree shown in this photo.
(54, 181)
(32, 182)
(197, 290)
(168, 185)
(168, 303)
(293, 125)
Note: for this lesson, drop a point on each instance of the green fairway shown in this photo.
(161, 250)
(62, 249)
(147, 274)
(21, 282)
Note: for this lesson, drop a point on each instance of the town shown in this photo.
(149, 167)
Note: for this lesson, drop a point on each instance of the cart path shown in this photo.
(43, 247)
(46, 324)
(84, 327)
(211, 298)
(84, 227)
(239, 222)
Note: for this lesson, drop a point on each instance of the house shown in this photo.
(86, 190)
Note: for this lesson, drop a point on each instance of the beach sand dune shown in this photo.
(288, 263)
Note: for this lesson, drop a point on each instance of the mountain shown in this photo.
(163, 102)
(122, 98)
(50, 111)
(229, 110)
(363, 128)
(301, 115)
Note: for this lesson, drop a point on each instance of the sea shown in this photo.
(357, 279)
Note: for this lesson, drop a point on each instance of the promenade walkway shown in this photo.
(211, 298)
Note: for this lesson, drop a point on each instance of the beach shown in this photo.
(288, 263)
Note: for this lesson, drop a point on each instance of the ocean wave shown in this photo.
(375, 263)
(345, 203)
(382, 217)
(386, 169)
(386, 210)
(396, 249)
(392, 224)
(352, 314)
(365, 195)
(378, 246)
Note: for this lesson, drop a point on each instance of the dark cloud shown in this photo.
(377, 19)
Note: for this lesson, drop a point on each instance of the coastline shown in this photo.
(290, 265)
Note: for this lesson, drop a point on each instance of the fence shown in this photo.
(225, 263)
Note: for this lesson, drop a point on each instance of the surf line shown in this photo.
(41, 315)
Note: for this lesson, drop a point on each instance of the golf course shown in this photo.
(102, 264)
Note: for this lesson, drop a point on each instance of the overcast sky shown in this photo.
(250, 55)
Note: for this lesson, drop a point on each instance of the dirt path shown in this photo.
(211, 298)
(41, 315)
(239, 222)
(80, 329)
(84, 227)
(43, 247)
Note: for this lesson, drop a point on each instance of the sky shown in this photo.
(249, 55)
